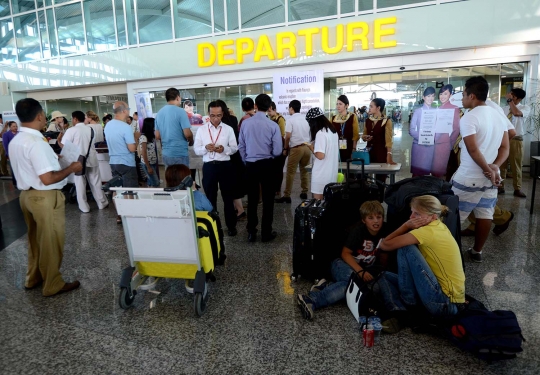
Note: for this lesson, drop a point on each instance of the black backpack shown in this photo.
(491, 335)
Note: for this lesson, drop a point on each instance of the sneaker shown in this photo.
(501, 190)
(306, 306)
(474, 257)
(319, 286)
(303, 196)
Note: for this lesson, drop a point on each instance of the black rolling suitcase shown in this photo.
(303, 257)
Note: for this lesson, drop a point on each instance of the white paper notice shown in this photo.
(445, 121)
(70, 154)
(426, 135)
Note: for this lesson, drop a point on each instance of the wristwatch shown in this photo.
(508, 100)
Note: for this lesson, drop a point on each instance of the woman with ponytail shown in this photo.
(430, 270)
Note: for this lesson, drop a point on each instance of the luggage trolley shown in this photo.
(174, 249)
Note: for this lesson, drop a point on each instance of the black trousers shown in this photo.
(261, 174)
(222, 174)
(280, 164)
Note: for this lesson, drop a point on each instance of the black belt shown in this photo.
(303, 144)
(42, 190)
(216, 161)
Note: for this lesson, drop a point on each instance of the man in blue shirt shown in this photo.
(174, 130)
(259, 143)
(121, 144)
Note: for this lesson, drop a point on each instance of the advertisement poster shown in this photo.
(144, 106)
(426, 135)
(306, 86)
(11, 116)
(445, 121)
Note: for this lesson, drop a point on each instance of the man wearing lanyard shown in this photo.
(216, 143)
(40, 178)
(259, 143)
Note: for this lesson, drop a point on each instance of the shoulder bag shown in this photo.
(82, 159)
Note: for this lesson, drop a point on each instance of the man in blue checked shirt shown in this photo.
(259, 143)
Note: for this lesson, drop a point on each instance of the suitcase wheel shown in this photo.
(126, 297)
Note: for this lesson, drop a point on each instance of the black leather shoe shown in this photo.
(303, 196)
(269, 238)
(252, 237)
(232, 232)
(283, 200)
(519, 193)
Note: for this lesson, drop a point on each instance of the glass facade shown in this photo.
(41, 29)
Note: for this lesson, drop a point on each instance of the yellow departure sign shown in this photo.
(284, 44)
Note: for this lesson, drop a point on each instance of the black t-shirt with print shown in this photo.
(364, 244)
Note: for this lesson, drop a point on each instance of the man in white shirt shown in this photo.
(84, 137)
(57, 122)
(517, 113)
(40, 178)
(216, 143)
(297, 137)
(483, 150)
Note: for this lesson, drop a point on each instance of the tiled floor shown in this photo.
(252, 325)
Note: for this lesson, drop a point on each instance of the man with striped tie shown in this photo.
(41, 179)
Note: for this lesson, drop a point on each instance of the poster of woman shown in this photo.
(194, 118)
(445, 141)
(144, 107)
(421, 154)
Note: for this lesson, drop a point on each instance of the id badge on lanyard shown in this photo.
(342, 140)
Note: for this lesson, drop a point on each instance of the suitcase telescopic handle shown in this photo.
(349, 168)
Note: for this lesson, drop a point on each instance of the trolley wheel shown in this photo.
(294, 277)
(125, 300)
(199, 304)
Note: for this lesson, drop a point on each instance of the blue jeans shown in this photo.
(334, 292)
(153, 180)
(168, 160)
(415, 283)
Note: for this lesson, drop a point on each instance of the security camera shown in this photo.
(206, 84)
(402, 68)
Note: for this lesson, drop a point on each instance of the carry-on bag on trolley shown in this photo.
(179, 247)
(211, 222)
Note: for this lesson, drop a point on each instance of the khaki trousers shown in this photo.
(297, 156)
(44, 214)
(500, 217)
(515, 160)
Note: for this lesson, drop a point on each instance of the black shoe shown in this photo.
(519, 193)
(283, 200)
(252, 237)
(269, 238)
(499, 229)
(303, 196)
(232, 232)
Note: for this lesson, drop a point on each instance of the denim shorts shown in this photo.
(128, 174)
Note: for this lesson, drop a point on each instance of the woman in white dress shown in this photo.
(325, 147)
